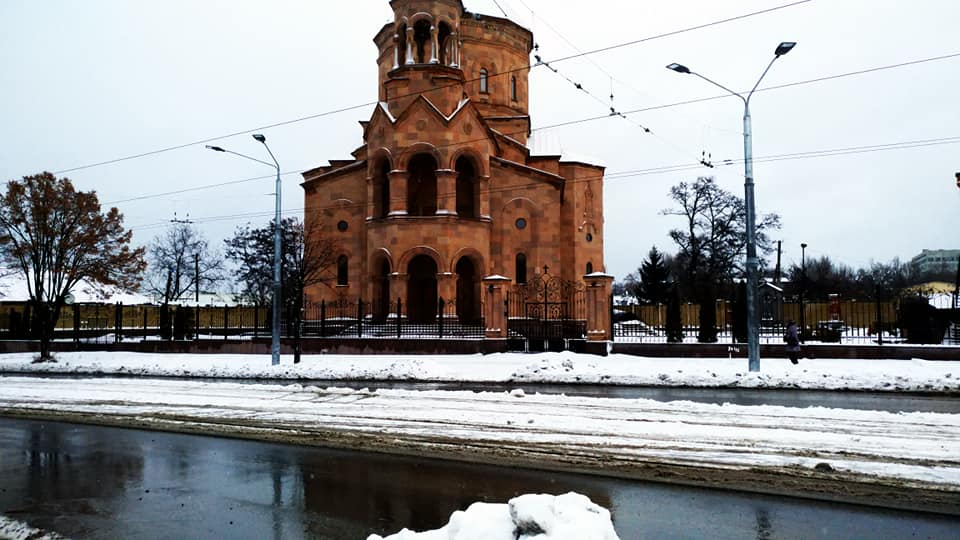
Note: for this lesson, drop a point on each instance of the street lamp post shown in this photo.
(956, 289)
(752, 266)
(275, 332)
(803, 288)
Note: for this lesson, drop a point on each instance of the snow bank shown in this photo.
(15, 530)
(528, 517)
(546, 368)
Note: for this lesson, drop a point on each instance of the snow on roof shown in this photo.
(14, 289)
(544, 143)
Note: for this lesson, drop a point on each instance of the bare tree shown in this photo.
(56, 237)
(179, 260)
(303, 264)
(713, 241)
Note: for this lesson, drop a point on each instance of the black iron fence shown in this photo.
(851, 321)
(357, 318)
(547, 307)
(114, 323)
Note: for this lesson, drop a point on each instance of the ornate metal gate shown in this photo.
(547, 307)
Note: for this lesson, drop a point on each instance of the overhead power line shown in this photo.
(466, 142)
(611, 176)
(370, 104)
(800, 83)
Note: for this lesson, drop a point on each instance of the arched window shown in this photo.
(342, 266)
(521, 268)
(513, 88)
(466, 188)
(483, 81)
(589, 268)
(422, 40)
(381, 190)
(444, 42)
(422, 186)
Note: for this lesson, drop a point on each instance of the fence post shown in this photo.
(879, 319)
(76, 324)
(598, 293)
(196, 321)
(323, 318)
(440, 305)
(494, 321)
(399, 312)
(118, 322)
(226, 314)
(359, 317)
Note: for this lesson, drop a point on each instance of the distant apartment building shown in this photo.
(936, 260)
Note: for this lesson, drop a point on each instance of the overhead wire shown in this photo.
(558, 33)
(439, 87)
(637, 111)
(799, 83)
(606, 177)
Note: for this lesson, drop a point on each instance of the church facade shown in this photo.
(445, 190)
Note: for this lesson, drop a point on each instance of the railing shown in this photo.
(351, 318)
(547, 307)
(838, 322)
(114, 323)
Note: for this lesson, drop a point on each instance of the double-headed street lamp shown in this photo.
(275, 333)
(753, 322)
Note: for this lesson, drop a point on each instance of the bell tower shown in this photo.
(426, 32)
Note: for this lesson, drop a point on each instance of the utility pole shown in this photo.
(803, 288)
(776, 275)
(956, 289)
(196, 274)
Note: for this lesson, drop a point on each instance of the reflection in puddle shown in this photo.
(97, 482)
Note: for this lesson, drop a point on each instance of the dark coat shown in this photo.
(792, 337)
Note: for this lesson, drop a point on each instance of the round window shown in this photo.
(342, 226)
(521, 224)
(589, 237)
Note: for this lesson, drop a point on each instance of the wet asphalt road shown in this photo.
(99, 482)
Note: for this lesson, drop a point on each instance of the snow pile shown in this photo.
(547, 368)
(15, 530)
(528, 517)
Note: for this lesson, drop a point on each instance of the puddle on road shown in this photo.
(98, 482)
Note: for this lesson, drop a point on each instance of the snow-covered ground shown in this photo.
(890, 459)
(679, 441)
(819, 374)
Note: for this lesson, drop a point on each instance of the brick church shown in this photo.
(445, 189)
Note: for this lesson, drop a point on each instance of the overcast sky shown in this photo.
(92, 81)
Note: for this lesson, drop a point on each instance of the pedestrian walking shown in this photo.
(792, 338)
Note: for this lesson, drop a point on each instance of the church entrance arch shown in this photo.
(468, 291)
(422, 290)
